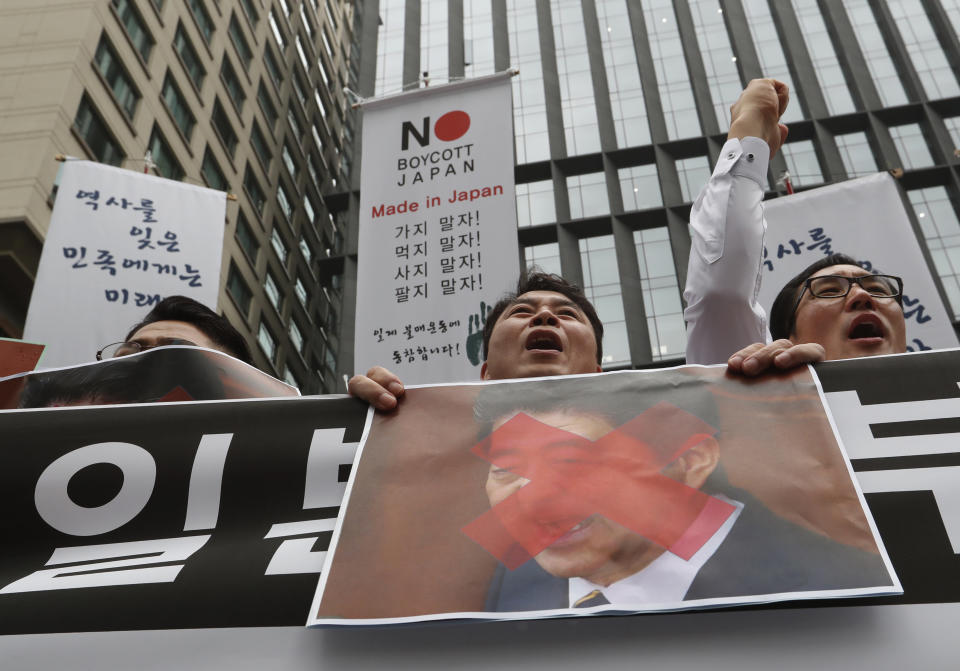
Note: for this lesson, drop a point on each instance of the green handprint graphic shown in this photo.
(474, 342)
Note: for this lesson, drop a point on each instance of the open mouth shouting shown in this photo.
(866, 329)
(544, 340)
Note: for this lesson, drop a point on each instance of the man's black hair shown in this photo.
(536, 280)
(212, 325)
(783, 315)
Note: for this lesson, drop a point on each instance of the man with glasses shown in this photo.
(178, 320)
(834, 309)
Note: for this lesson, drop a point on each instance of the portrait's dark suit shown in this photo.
(762, 554)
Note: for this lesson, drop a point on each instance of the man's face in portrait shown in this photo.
(541, 333)
(594, 548)
(854, 325)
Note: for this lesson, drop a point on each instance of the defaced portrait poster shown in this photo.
(597, 494)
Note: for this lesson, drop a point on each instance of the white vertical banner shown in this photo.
(863, 218)
(118, 243)
(438, 227)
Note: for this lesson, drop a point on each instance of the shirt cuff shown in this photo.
(753, 161)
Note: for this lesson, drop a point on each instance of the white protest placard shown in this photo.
(118, 243)
(864, 218)
(438, 227)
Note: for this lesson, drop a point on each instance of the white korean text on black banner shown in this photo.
(213, 514)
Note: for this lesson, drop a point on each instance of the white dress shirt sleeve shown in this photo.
(726, 253)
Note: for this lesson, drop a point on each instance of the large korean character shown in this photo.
(91, 198)
(106, 261)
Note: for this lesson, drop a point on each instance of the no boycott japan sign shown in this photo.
(438, 241)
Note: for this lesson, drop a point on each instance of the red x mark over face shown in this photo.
(571, 479)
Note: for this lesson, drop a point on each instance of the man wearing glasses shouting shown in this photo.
(834, 309)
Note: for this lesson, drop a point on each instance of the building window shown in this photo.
(135, 26)
(308, 209)
(204, 22)
(163, 157)
(232, 83)
(212, 174)
(240, 42)
(250, 11)
(941, 229)
(623, 76)
(802, 163)
(870, 39)
(921, 41)
(296, 336)
(320, 106)
(545, 257)
(260, 146)
(602, 286)
(661, 294)
(254, 192)
(588, 195)
(302, 54)
(188, 57)
(288, 161)
(305, 250)
(177, 106)
(238, 290)
(108, 65)
(911, 146)
(298, 88)
(640, 186)
(693, 174)
(323, 72)
(535, 204)
(267, 342)
(246, 239)
(673, 80)
(579, 110)
(279, 246)
(773, 63)
(856, 155)
(312, 169)
(93, 131)
(294, 123)
(270, 61)
(225, 131)
(277, 33)
(814, 32)
(266, 106)
(284, 202)
(301, 291)
(273, 291)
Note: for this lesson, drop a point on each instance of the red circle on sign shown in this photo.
(452, 125)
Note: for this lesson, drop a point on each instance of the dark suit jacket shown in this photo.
(762, 554)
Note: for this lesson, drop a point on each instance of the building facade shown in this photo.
(620, 109)
(243, 96)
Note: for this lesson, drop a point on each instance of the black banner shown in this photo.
(211, 514)
(902, 433)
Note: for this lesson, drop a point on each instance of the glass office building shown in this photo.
(620, 110)
(621, 107)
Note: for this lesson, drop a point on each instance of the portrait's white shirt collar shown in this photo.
(666, 579)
